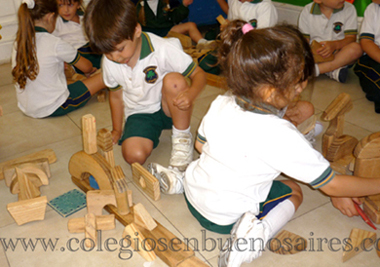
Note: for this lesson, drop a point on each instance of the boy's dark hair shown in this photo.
(279, 57)
(108, 23)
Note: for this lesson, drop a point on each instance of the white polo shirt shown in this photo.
(316, 26)
(370, 28)
(260, 13)
(243, 153)
(42, 96)
(142, 85)
(71, 32)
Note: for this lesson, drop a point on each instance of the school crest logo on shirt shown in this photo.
(151, 75)
(338, 26)
(253, 23)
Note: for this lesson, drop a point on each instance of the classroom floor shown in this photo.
(316, 220)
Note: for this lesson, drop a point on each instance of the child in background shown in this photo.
(146, 75)
(245, 144)
(162, 16)
(260, 13)
(38, 65)
(69, 27)
(334, 25)
(368, 66)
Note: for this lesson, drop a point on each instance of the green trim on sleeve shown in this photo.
(307, 36)
(201, 139)
(116, 88)
(190, 69)
(76, 59)
(351, 32)
(368, 36)
(324, 179)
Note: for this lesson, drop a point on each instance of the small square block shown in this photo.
(68, 203)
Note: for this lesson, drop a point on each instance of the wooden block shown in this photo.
(343, 165)
(286, 243)
(359, 240)
(143, 218)
(185, 40)
(339, 106)
(146, 181)
(368, 168)
(371, 212)
(138, 241)
(368, 147)
(104, 140)
(103, 222)
(317, 57)
(221, 20)
(307, 125)
(120, 188)
(89, 134)
(340, 147)
(101, 96)
(47, 153)
(97, 199)
(217, 81)
(374, 201)
(10, 172)
(108, 155)
(129, 195)
(90, 230)
(28, 210)
(118, 178)
(24, 187)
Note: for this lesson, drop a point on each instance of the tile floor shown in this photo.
(316, 220)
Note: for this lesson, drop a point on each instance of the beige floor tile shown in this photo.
(3, 258)
(8, 100)
(5, 74)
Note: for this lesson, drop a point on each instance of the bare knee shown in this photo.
(133, 152)
(174, 82)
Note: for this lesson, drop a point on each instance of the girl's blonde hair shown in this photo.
(279, 57)
(26, 57)
(141, 15)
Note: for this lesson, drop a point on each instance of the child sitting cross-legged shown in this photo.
(38, 60)
(245, 144)
(334, 25)
(146, 76)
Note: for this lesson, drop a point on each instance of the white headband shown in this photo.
(29, 3)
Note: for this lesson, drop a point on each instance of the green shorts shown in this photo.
(147, 125)
(278, 193)
(78, 97)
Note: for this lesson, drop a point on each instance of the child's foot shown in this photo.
(339, 75)
(182, 151)
(170, 179)
(246, 243)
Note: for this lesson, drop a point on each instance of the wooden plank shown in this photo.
(89, 134)
(46, 153)
(138, 242)
(374, 201)
(339, 106)
(371, 212)
(146, 181)
(359, 240)
(90, 230)
(28, 210)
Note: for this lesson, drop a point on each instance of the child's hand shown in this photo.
(115, 136)
(183, 101)
(346, 205)
(327, 48)
(187, 2)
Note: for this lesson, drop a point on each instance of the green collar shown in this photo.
(79, 13)
(316, 9)
(263, 109)
(146, 46)
(40, 29)
(256, 1)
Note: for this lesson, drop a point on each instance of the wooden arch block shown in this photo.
(97, 199)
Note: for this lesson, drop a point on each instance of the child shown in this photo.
(245, 144)
(70, 29)
(146, 76)
(260, 13)
(333, 24)
(368, 66)
(162, 16)
(38, 65)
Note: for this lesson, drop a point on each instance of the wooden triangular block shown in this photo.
(143, 218)
(138, 242)
(286, 243)
(359, 239)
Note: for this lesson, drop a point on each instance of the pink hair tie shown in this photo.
(246, 28)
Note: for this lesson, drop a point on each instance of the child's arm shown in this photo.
(371, 49)
(328, 47)
(117, 113)
(85, 65)
(223, 5)
(185, 99)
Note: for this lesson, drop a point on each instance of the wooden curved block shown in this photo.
(368, 147)
(97, 199)
(81, 163)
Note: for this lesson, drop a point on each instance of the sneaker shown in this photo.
(235, 251)
(182, 151)
(170, 179)
(339, 75)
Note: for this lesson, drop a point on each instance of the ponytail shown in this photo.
(141, 15)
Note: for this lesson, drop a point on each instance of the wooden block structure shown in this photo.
(29, 210)
(103, 222)
(367, 153)
(120, 188)
(143, 218)
(185, 40)
(146, 181)
(371, 211)
(359, 240)
(286, 243)
(89, 134)
(317, 57)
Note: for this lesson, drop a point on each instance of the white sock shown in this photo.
(202, 41)
(278, 217)
(316, 70)
(177, 132)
